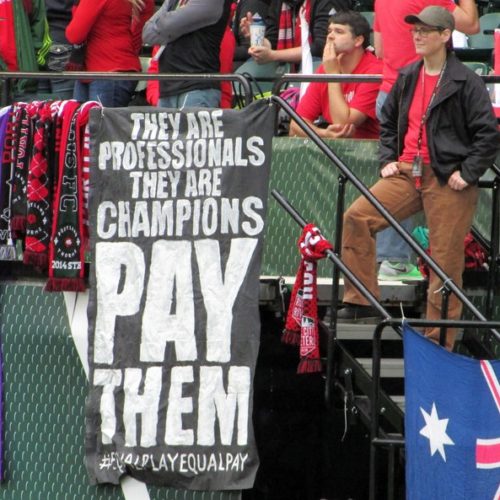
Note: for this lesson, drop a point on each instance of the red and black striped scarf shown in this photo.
(69, 234)
(7, 248)
(301, 327)
(39, 192)
(66, 268)
(21, 146)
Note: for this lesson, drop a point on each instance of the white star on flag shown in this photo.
(435, 431)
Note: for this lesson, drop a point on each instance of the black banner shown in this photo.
(177, 214)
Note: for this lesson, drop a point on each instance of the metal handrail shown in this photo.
(448, 283)
(7, 76)
(366, 78)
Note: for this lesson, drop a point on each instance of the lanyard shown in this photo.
(425, 115)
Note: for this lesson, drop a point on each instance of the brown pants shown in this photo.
(449, 217)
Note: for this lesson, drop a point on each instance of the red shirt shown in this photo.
(397, 41)
(360, 96)
(419, 104)
(113, 39)
(8, 35)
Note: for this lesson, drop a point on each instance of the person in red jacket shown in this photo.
(111, 30)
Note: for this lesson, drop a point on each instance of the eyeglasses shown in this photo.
(424, 32)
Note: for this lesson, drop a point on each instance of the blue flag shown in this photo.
(452, 422)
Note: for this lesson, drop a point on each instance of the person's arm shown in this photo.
(466, 17)
(139, 18)
(265, 54)
(482, 126)
(389, 137)
(378, 44)
(166, 26)
(84, 17)
(335, 131)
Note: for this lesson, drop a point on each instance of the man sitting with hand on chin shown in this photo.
(438, 136)
(349, 108)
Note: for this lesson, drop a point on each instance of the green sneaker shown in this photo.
(399, 271)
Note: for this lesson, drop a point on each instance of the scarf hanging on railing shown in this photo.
(20, 161)
(301, 327)
(66, 265)
(83, 148)
(39, 193)
(7, 248)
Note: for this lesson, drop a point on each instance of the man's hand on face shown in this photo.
(331, 61)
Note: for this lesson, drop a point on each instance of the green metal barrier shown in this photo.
(44, 405)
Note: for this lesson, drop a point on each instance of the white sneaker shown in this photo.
(398, 271)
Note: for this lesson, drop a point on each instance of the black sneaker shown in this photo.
(355, 313)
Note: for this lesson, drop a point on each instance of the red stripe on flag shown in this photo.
(492, 381)
(488, 453)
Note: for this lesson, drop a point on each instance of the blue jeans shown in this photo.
(58, 88)
(206, 98)
(110, 93)
(390, 246)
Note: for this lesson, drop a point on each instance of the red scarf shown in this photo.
(66, 265)
(39, 193)
(289, 34)
(301, 327)
(83, 148)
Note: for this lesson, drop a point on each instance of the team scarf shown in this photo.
(7, 248)
(289, 34)
(83, 148)
(21, 142)
(39, 192)
(301, 327)
(66, 255)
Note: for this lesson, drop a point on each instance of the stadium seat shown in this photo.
(488, 23)
(369, 16)
(481, 41)
(480, 68)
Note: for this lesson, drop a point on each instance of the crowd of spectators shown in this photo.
(198, 36)
(212, 36)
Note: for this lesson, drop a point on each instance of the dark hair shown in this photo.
(357, 23)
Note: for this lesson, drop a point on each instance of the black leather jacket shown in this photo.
(461, 128)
